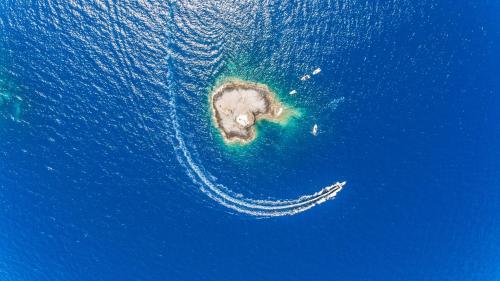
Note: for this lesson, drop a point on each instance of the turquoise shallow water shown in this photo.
(111, 169)
(10, 103)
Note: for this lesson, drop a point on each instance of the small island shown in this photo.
(237, 105)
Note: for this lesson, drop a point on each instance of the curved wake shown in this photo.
(194, 36)
(227, 198)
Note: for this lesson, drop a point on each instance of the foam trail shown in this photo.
(197, 39)
(227, 198)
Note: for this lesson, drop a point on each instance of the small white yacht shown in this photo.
(314, 130)
(279, 111)
(305, 77)
(317, 71)
(293, 92)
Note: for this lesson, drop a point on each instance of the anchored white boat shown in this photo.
(293, 92)
(317, 71)
(305, 77)
(315, 130)
(279, 111)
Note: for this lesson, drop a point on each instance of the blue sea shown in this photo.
(111, 167)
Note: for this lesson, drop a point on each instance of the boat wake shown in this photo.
(224, 196)
(203, 37)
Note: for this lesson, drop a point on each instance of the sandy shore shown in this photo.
(237, 105)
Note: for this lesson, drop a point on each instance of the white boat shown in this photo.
(293, 92)
(315, 130)
(317, 71)
(305, 77)
(279, 111)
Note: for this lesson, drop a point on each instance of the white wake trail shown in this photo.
(199, 40)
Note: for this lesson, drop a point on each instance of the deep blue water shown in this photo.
(104, 103)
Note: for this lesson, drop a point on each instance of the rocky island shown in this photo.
(237, 105)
